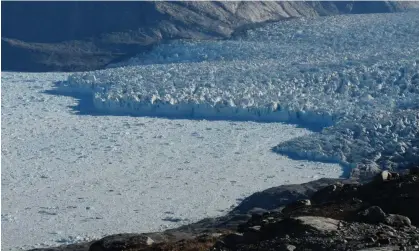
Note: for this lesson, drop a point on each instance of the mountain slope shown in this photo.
(75, 36)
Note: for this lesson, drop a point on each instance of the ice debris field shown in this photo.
(69, 177)
(346, 86)
(356, 77)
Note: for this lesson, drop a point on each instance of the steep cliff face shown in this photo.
(74, 36)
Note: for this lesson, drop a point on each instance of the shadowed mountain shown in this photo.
(77, 36)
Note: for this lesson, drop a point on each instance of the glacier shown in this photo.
(355, 79)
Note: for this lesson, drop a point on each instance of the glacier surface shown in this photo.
(355, 77)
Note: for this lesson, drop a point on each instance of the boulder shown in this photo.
(232, 240)
(321, 224)
(397, 220)
(387, 175)
(295, 205)
(373, 215)
(119, 242)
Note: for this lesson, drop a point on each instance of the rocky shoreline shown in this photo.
(326, 214)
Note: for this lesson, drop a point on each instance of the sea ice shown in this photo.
(66, 173)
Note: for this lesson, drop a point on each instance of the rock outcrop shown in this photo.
(339, 217)
(77, 36)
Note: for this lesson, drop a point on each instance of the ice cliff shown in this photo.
(360, 83)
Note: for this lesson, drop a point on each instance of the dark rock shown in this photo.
(295, 205)
(399, 196)
(397, 220)
(414, 170)
(252, 236)
(256, 217)
(121, 242)
(257, 211)
(388, 248)
(72, 247)
(326, 193)
(384, 241)
(232, 240)
(276, 197)
(337, 191)
(373, 215)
